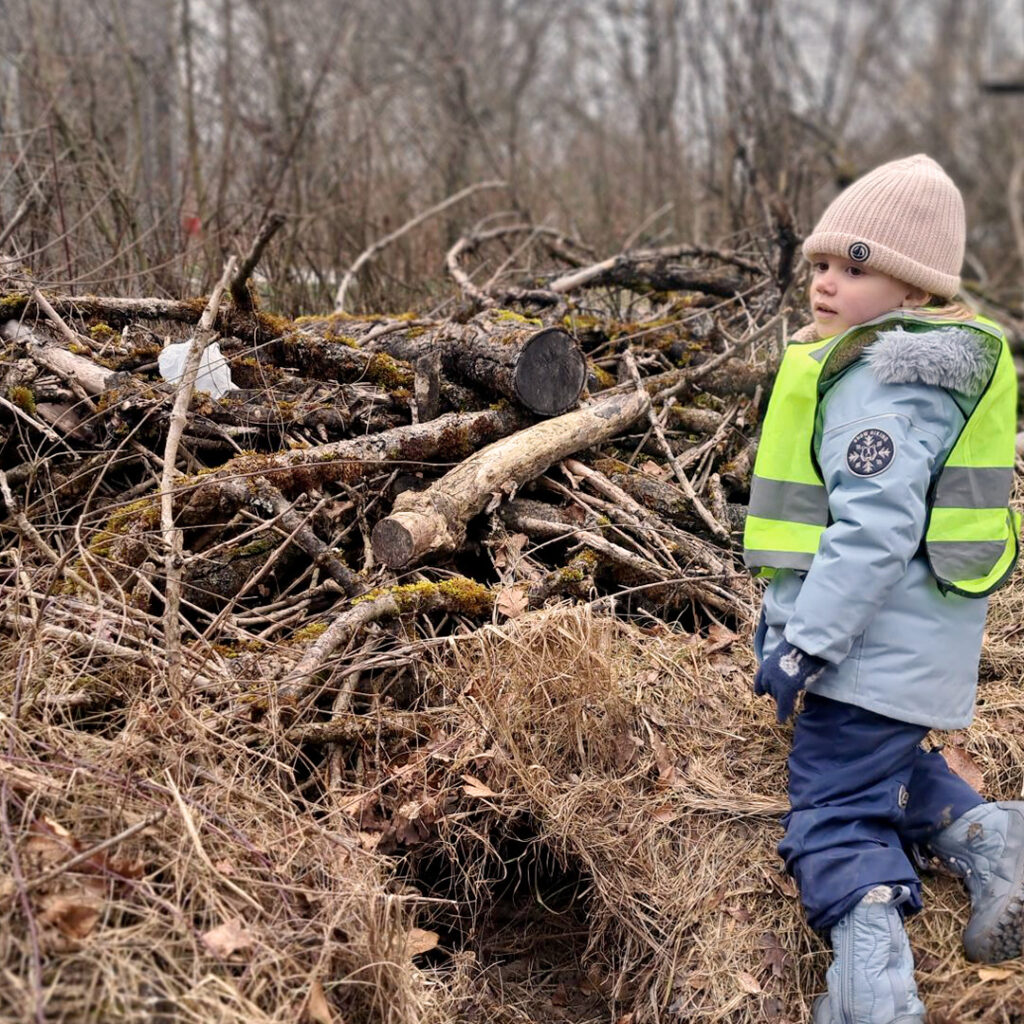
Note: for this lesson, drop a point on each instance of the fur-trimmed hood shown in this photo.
(950, 357)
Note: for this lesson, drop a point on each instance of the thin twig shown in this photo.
(172, 537)
(367, 254)
(712, 523)
(241, 296)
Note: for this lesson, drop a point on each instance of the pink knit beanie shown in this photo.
(905, 218)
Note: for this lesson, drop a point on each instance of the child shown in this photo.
(879, 511)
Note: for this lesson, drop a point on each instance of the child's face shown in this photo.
(844, 294)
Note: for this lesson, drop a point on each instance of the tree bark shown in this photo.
(434, 521)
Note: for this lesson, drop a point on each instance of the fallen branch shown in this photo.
(434, 521)
(456, 594)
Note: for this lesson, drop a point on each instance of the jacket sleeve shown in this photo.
(877, 500)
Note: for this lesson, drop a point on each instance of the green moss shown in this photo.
(508, 314)
(23, 398)
(457, 594)
(388, 373)
(603, 377)
(257, 547)
(78, 349)
(274, 325)
(102, 332)
(309, 632)
(471, 598)
(145, 513)
(340, 339)
(13, 304)
(581, 322)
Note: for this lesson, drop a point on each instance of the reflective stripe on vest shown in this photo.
(971, 537)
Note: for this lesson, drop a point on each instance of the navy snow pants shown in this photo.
(861, 790)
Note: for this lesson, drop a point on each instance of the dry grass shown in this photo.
(648, 767)
(610, 855)
(144, 931)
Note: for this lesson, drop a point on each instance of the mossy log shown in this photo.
(332, 358)
(434, 521)
(733, 377)
(118, 311)
(91, 377)
(213, 497)
(666, 275)
(543, 370)
(457, 595)
(651, 271)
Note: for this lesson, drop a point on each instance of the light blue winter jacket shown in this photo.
(868, 604)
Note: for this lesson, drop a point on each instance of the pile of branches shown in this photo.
(202, 596)
(532, 456)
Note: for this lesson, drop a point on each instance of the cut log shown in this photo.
(434, 520)
(543, 370)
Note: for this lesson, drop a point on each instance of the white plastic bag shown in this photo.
(214, 374)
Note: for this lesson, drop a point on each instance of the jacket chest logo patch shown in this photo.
(870, 452)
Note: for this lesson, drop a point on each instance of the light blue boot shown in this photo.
(871, 980)
(985, 847)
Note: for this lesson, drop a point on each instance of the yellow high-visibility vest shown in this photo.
(971, 535)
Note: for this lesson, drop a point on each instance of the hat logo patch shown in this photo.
(870, 452)
(859, 251)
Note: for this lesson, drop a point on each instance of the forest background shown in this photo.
(141, 140)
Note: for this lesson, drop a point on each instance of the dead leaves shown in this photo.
(512, 602)
(655, 469)
(227, 938)
(49, 844)
(69, 881)
(318, 1010)
(474, 787)
(995, 973)
(419, 941)
(961, 763)
(74, 918)
(748, 983)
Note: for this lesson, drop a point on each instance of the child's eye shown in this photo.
(855, 271)
(820, 267)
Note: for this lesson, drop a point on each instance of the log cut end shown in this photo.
(393, 543)
(405, 536)
(549, 373)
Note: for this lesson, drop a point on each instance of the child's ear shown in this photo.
(915, 297)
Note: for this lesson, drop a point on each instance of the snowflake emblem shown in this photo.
(870, 452)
